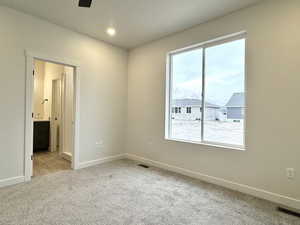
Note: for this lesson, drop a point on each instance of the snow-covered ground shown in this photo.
(214, 131)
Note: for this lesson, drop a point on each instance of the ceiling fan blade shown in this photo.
(85, 3)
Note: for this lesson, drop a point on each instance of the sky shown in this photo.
(224, 72)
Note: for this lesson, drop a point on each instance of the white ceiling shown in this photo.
(136, 21)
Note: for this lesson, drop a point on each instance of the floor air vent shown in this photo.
(144, 166)
(287, 211)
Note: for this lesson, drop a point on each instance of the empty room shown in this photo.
(149, 112)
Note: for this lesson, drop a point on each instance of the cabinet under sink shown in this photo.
(41, 135)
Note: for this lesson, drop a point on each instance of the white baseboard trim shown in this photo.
(11, 181)
(21, 179)
(100, 161)
(260, 193)
(67, 156)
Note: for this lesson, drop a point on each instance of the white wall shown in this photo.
(103, 85)
(273, 93)
(52, 72)
(39, 77)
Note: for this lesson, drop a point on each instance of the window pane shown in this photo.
(224, 93)
(186, 93)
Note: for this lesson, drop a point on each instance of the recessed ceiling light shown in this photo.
(111, 31)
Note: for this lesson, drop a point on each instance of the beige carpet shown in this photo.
(48, 162)
(122, 193)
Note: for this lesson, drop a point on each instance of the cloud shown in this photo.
(221, 86)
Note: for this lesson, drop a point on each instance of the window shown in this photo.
(189, 110)
(177, 110)
(210, 77)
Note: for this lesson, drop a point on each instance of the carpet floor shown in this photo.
(122, 193)
(48, 162)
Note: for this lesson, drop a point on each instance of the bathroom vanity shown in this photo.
(41, 135)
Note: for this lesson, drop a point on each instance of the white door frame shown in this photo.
(30, 57)
(53, 139)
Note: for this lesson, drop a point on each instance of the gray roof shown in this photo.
(236, 100)
(189, 102)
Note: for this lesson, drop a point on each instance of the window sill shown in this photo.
(210, 144)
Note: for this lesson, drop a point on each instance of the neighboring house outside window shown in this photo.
(177, 110)
(189, 110)
(194, 110)
(236, 107)
(208, 81)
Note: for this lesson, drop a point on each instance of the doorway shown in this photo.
(51, 102)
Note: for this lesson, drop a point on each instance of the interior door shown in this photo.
(55, 119)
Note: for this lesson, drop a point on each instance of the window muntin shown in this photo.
(218, 71)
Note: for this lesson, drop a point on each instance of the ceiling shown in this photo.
(136, 21)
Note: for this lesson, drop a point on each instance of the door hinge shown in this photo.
(32, 115)
(31, 157)
(33, 72)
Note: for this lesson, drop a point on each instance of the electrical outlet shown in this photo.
(290, 173)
